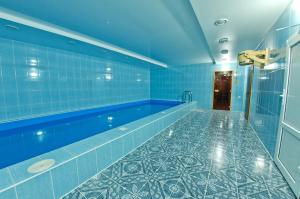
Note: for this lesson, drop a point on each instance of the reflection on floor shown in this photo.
(205, 155)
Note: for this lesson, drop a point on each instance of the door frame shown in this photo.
(248, 93)
(292, 41)
(213, 88)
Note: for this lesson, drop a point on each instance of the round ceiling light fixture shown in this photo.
(220, 22)
(223, 40)
(224, 52)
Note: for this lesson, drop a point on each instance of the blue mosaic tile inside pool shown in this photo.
(204, 155)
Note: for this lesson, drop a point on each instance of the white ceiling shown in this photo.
(249, 21)
(164, 30)
(176, 32)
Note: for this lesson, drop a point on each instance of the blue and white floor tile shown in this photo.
(206, 155)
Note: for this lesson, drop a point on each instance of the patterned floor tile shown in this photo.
(222, 195)
(260, 195)
(219, 183)
(211, 155)
(190, 161)
(252, 188)
(102, 187)
(74, 195)
(282, 191)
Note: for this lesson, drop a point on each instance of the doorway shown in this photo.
(222, 90)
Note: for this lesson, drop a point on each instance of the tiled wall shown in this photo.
(268, 83)
(37, 80)
(170, 83)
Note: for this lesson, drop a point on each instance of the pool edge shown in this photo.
(76, 164)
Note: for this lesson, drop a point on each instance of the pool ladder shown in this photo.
(187, 96)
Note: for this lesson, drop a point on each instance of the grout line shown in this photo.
(81, 194)
(10, 175)
(269, 192)
(51, 178)
(77, 171)
(97, 161)
(15, 77)
(15, 190)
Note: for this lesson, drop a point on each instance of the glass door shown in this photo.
(287, 155)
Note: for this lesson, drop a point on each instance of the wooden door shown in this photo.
(222, 90)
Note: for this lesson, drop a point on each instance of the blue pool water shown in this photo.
(25, 139)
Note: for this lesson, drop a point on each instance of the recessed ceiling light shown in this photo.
(11, 26)
(223, 40)
(220, 22)
(225, 51)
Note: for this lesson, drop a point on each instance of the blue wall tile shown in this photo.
(37, 80)
(9, 194)
(268, 84)
(6, 179)
(87, 166)
(19, 171)
(104, 156)
(171, 82)
(128, 143)
(38, 187)
(64, 178)
(117, 148)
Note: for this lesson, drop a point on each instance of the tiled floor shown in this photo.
(205, 155)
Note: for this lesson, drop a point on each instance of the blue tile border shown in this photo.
(98, 149)
(12, 125)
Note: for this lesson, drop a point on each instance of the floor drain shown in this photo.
(40, 166)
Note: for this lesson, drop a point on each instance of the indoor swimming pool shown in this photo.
(25, 139)
(150, 99)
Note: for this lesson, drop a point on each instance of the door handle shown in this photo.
(216, 91)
